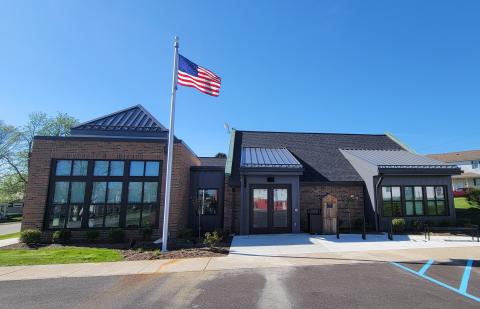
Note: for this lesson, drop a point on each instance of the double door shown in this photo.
(270, 209)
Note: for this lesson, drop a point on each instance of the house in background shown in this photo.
(110, 173)
(468, 161)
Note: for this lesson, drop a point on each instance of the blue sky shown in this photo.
(406, 67)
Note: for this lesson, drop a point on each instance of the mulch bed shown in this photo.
(145, 250)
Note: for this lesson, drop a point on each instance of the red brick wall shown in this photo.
(311, 195)
(44, 151)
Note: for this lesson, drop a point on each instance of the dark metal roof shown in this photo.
(397, 159)
(213, 161)
(268, 157)
(318, 153)
(135, 120)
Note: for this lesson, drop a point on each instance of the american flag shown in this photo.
(192, 75)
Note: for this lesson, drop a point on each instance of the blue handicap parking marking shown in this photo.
(463, 285)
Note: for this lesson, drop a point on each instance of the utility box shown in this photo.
(314, 220)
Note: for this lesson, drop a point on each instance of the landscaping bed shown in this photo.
(39, 254)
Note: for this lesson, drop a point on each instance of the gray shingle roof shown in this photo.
(268, 157)
(318, 153)
(397, 158)
(133, 119)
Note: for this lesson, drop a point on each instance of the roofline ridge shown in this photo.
(324, 133)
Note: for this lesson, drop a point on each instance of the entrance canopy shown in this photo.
(269, 159)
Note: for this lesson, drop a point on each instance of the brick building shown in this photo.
(110, 173)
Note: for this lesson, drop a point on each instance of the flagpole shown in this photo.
(171, 136)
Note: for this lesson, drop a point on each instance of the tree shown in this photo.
(12, 188)
(220, 155)
(10, 139)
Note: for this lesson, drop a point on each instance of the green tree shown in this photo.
(220, 155)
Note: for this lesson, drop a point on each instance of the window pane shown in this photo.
(418, 193)
(152, 168)
(61, 192)
(260, 201)
(387, 209)
(408, 191)
(75, 216)
(116, 168)
(133, 215)
(441, 211)
(208, 201)
(280, 207)
(409, 208)
(135, 192)
(136, 168)
(396, 209)
(95, 216)
(386, 193)
(419, 208)
(101, 168)
(80, 168)
(150, 192)
(396, 193)
(148, 216)
(57, 216)
(98, 192)
(63, 168)
(439, 193)
(77, 194)
(431, 209)
(114, 192)
(430, 193)
(112, 215)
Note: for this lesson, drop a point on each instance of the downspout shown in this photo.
(379, 182)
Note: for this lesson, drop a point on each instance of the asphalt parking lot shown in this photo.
(366, 285)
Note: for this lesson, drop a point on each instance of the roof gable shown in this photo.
(318, 153)
(132, 121)
(459, 156)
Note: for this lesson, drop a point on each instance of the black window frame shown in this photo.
(89, 180)
(424, 201)
(218, 202)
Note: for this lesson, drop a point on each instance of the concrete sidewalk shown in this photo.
(231, 262)
(8, 241)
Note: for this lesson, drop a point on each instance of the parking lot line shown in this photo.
(422, 275)
(466, 276)
(425, 267)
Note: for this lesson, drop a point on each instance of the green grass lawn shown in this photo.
(12, 235)
(63, 255)
(466, 210)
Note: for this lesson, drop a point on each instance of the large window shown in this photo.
(414, 201)
(207, 202)
(104, 194)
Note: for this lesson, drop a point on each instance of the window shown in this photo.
(436, 205)
(391, 201)
(475, 164)
(67, 204)
(142, 197)
(208, 202)
(98, 194)
(413, 201)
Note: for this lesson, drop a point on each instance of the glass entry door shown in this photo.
(270, 209)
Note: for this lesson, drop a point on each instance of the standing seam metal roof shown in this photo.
(268, 157)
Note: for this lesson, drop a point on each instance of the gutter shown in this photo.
(379, 182)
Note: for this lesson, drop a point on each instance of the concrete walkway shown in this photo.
(232, 262)
(8, 242)
(295, 244)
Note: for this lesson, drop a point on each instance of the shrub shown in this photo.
(473, 195)
(224, 234)
(92, 235)
(116, 235)
(212, 239)
(398, 225)
(30, 237)
(61, 236)
(147, 233)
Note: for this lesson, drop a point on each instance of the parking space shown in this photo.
(461, 276)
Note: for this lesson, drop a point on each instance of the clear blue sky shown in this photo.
(407, 67)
